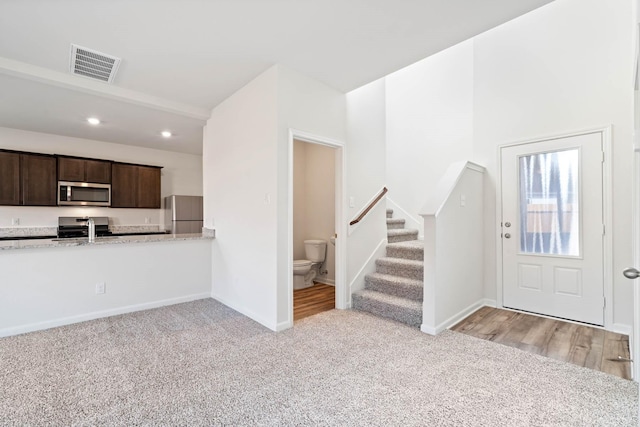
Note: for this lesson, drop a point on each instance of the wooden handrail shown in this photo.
(371, 205)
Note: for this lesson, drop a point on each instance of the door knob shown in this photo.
(631, 273)
(507, 235)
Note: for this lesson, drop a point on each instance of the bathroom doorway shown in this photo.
(313, 228)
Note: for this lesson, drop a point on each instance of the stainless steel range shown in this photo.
(73, 226)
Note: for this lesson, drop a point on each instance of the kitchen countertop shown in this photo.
(108, 240)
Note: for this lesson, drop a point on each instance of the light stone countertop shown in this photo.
(108, 240)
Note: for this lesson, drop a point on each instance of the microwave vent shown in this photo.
(93, 64)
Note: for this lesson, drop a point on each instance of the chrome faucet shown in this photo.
(92, 229)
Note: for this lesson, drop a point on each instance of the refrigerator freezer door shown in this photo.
(187, 208)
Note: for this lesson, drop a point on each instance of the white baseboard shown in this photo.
(6, 332)
(490, 303)
(368, 267)
(242, 310)
(283, 326)
(329, 282)
(621, 328)
(456, 318)
(428, 329)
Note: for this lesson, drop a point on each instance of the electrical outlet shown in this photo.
(101, 288)
(352, 202)
(15, 221)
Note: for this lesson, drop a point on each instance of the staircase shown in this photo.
(395, 290)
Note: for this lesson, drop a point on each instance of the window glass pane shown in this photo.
(549, 205)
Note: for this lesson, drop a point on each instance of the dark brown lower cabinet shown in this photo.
(135, 186)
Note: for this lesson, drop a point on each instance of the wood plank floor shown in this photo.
(578, 344)
(313, 300)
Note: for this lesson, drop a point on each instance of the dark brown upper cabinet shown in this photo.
(27, 179)
(38, 180)
(9, 178)
(84, 170)
(135, 186)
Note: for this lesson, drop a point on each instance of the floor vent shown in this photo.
(93, 64)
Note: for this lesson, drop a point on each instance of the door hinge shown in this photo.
(603, 229)
(603, 157)
(604, 302)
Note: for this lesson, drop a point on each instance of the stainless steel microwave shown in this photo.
(83, 194)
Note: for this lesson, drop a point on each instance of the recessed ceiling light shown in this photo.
(93, 121)
(166, 134)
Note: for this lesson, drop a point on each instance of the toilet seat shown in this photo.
(301, 263)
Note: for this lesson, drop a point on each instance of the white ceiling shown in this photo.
(182, 58)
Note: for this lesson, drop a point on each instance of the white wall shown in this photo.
(314, 201)
(241, 198)
(299, 200)
(366, 176)
(306, 105)
(429, 124)
(43, 288)
(246, 186)
(453, 248)
(564, 67)
(181, 174)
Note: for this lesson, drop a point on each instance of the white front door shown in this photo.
(552, 227)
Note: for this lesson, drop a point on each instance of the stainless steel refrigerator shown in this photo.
(183, 214)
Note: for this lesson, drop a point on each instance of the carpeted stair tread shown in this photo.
(394, 285)
(389, 213)
(411, 269)
(395, 223)
(410, 249)
(392, 307)
(402, 235)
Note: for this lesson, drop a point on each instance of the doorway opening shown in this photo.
(315, 225)
(313, 228)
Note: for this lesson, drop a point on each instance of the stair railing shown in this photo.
(371, 205)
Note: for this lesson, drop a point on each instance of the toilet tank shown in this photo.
(315, 250)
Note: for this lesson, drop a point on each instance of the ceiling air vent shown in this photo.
(93, 64)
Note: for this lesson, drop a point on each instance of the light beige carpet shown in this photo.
(201, 363)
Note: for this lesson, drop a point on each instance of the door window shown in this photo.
(549, 203)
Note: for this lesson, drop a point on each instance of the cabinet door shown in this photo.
(70, 169)
(9, 178)
(124, 186)
(97, 171)
(38, 180)
(148, 187)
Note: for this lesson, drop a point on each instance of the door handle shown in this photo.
(631, 273)
(507, 235)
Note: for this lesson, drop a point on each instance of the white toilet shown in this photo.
(305, 270)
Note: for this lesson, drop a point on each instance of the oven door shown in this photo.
(83, 194)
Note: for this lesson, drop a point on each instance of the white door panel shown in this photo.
(552, 228)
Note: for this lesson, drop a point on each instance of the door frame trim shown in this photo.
(340, 216)
(607, 213)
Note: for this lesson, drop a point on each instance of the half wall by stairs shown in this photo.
(395, 290)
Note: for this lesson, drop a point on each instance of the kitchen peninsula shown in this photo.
(53, 282)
